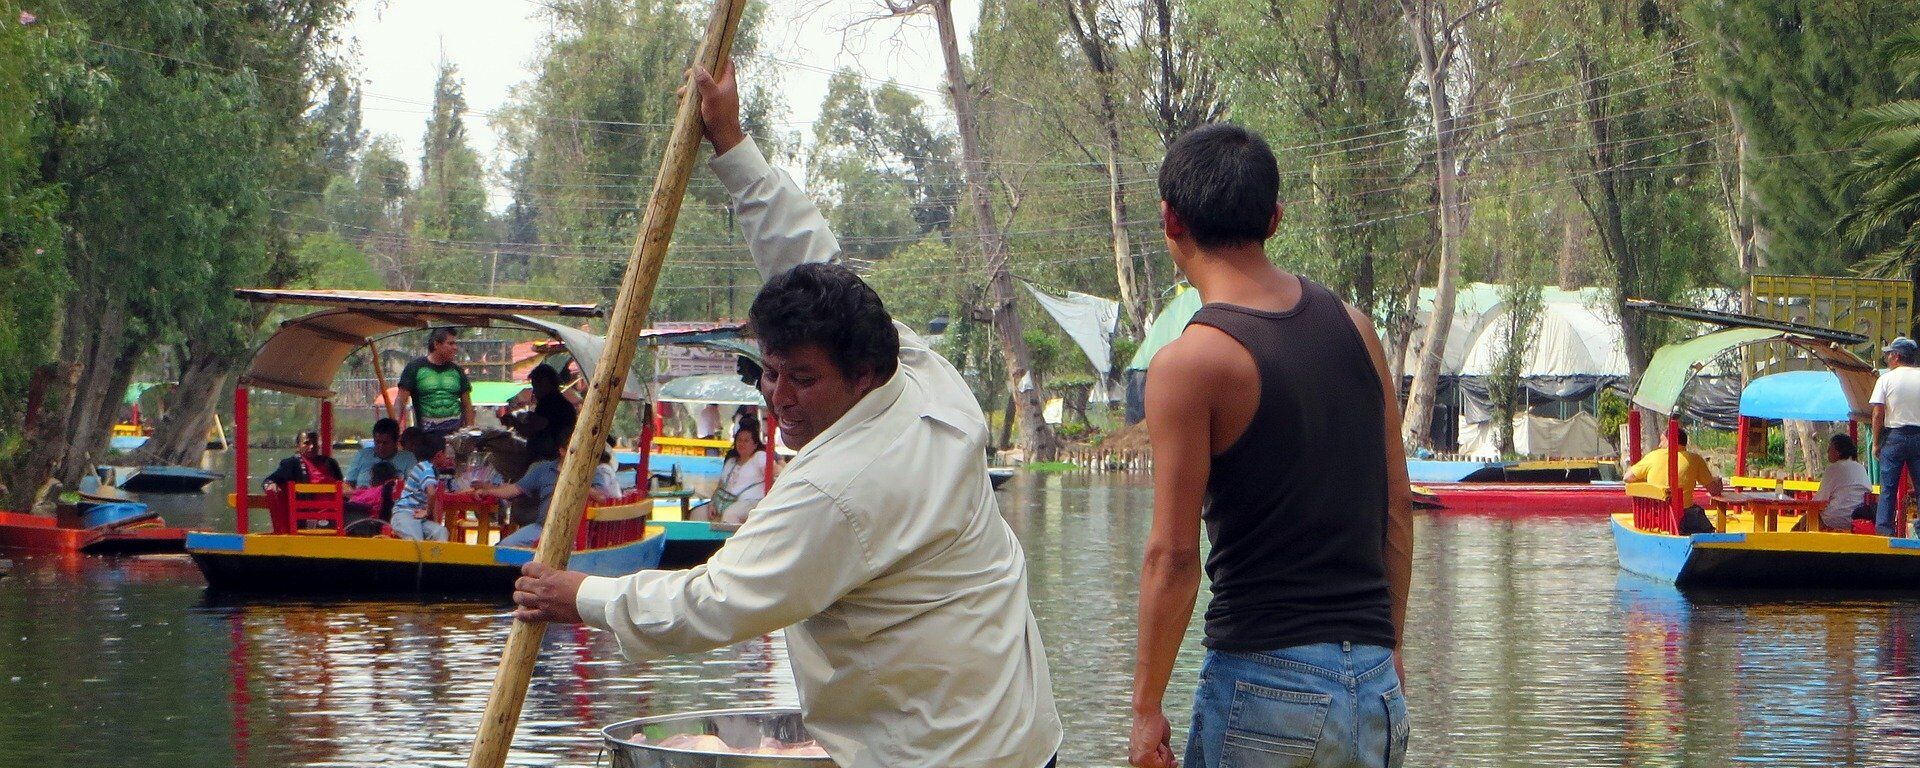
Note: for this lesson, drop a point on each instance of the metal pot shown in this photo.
(737, 727)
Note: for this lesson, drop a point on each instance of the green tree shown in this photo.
(884, 174)
(450, 207)
(169, 164)
(1790, 74)
(1884, 178)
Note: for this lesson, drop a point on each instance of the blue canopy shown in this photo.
(1808, 395)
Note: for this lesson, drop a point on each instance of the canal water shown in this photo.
(1527, 647)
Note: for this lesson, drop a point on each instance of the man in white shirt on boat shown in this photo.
(1896, 426)
(880, 547)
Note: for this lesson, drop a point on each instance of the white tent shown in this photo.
(1567, 340)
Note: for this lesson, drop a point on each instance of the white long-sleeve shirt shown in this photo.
(882, 550)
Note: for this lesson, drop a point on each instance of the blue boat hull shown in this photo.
(1790, 560)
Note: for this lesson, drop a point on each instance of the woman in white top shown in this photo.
(744, 476)
(1844, 487)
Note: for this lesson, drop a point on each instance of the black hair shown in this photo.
(1223, 182)
(310, 436)
(440, 334)
(828, 306)
(1844, 445)
(431, 444)
(387, 427)
(1683, 438)
(543, 446)
(544, 371)
(382, 472)
(751, 428)
(413, 435)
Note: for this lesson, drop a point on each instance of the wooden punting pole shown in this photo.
(596, 415)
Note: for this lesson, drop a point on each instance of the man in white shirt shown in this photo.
(880, 547)
(1896, 427)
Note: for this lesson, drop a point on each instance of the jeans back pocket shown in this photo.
(1272, 727)
(1397, 728)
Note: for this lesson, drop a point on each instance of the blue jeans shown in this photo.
(1330, 704)
(524, 537)
(1902, 452)
(406, 526)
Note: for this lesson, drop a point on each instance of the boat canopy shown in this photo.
(1805, 395)
(718, 388)
(1674, 365)
(303, 356)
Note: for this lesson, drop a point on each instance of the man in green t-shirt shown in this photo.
(441, 396)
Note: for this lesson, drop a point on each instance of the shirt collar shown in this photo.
(872, 405)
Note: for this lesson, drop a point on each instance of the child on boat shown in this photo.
(374, 501)
(411, 510)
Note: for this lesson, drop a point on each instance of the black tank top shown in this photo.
(1297, 506)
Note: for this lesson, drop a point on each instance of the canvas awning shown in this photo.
(429, 308)
(1674, 365)
(303, 356)
(718, 388)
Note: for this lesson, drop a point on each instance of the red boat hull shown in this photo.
(44, 534)
(1531, 499)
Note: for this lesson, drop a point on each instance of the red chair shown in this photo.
(320, 503)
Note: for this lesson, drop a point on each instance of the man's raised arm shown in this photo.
(783, 226)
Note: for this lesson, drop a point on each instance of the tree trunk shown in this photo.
(1037, 439)
(1099, 60)
(1603, 204)
(1425, 22)
(180, 439)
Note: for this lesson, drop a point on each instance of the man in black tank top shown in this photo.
(1273, 421)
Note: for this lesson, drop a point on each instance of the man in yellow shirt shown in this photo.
(1652, 468)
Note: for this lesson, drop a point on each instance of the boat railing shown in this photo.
(1652, 508)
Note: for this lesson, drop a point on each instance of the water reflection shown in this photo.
(1526, 647)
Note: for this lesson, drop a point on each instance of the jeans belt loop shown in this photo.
(1346, 646)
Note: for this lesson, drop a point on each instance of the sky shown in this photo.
(397, 45)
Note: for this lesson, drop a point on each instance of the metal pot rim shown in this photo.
(606, 733)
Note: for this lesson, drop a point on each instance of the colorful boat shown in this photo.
(302, 358)
(1553, 487)
(1746, 550)
(296, 563)
(157, 479)
(124, 533)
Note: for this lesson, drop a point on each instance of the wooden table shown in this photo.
(1766, 508)
(454, 509)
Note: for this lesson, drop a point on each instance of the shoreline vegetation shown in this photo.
(149, 166)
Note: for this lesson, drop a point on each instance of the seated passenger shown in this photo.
(743, 477)
(1652, 468)
(306, 465)
(1844, 486)
(374, 501)
(606, 478)
(411, 512)
(385, 448)
(537, 484)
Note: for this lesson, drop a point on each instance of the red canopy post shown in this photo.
(772, 428)
(326, 427)
(648, 427)
(1633, 434)
(1740, 446)
(242, 482)
(1677, 497)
